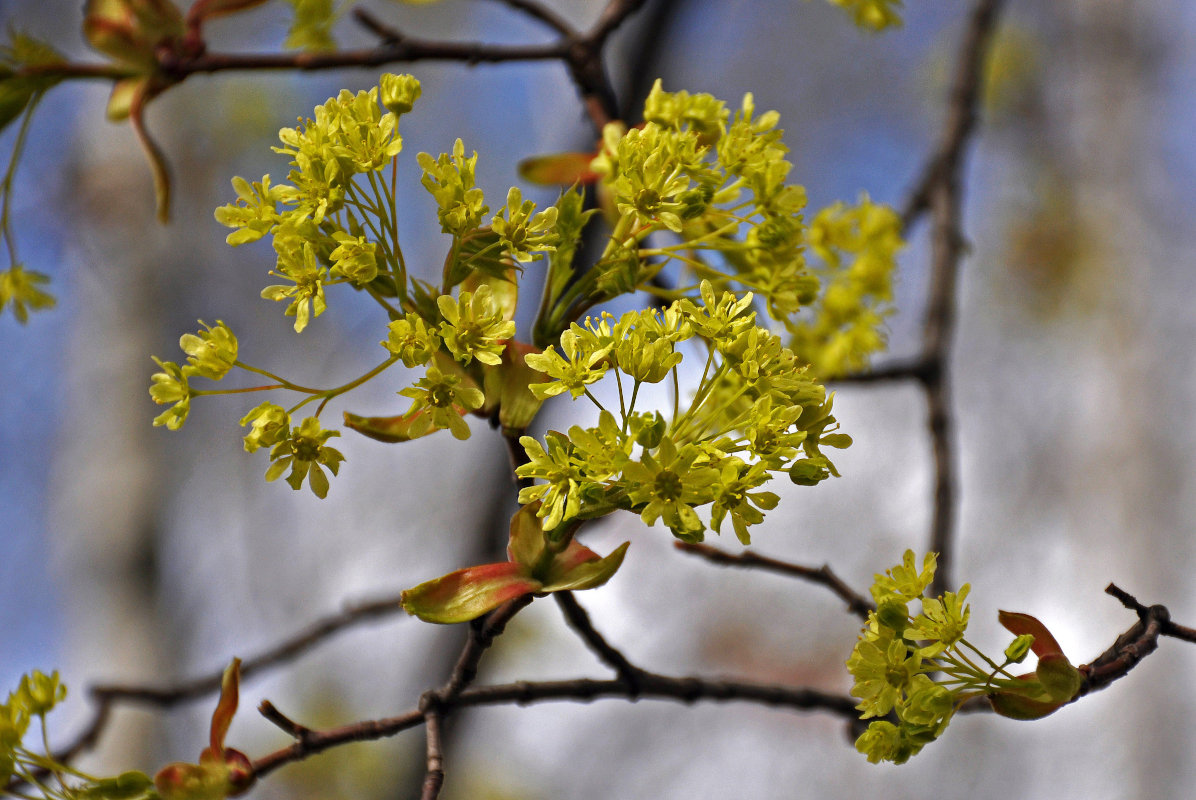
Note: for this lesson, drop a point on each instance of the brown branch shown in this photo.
(920, 369)
(579, 620)
(106, 696)
(939, 190)
(289, 726)
(283, 652)
(542, 14)
(651, 686)
(962, 107)
(434, 776)
(482, 633)
(824, 575)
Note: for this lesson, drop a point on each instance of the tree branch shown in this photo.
(542, 14)
(651, 686)
(856, 602)
(939, 190)
(281, 653)
(579, 620)
(434, 776)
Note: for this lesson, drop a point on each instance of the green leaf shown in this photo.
(17, 91)
(508, 383)
(526, 545)
(579, 567)
(468, 593)
(15, 94)
(124, 94)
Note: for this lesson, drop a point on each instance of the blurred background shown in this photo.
(134, 554)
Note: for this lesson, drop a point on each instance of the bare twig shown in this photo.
(939, 191)
(856, 602)
(919, 369)
(106, 696)
(482, 633)
(388, 34)
(1132, 646)
(652, 686)
(281, 653)
(579, 620)
(542, 14)
(292, 728)
(962, 106)
(434, 775)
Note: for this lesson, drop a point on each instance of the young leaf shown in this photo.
(468, 593)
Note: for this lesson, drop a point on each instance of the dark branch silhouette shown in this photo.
(856, 602)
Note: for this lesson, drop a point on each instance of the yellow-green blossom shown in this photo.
(442, 399)
(872, 14)
(474, 327)
(667, 485)
(735, 496)
(411, 340)
(307, 295)
(450, 179)
(304, 451)
(354, 258)
(210, 353)
(525, 233)
(254, 214)
(553, 463)
(906, 579)
(943, 621)
(171, 386)
(883, 670)
(582, 360)
(18, 288)
(271, 425)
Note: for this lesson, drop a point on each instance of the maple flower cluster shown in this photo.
(699, 213)
(755, 411)
(914, 670)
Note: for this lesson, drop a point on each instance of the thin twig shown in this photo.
(542, 14)
(824, 575)
(482, 633)
(1129, 648)
(387, 33)
(962, 106)
(579, 620)
(939, 190)
(434, 774)
(285, 651)
(281, 720)
(652, 686)
(919, 369)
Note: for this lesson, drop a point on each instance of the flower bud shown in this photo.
(1016, 652)
(399, 92)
